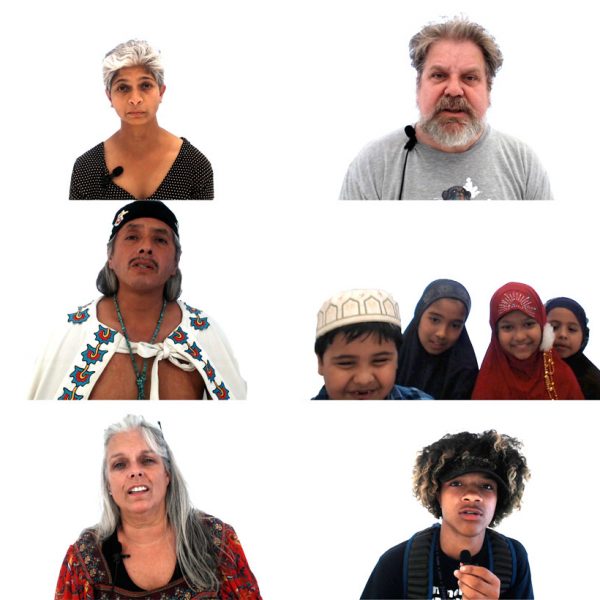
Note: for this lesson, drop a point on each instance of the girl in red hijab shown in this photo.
(520, 363)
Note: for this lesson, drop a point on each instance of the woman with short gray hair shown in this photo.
(150, 543)
(141, 160)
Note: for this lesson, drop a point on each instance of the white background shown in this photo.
(281, 96)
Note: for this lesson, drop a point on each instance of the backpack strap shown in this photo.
(418, 563)
(503, 559)
(420, 553)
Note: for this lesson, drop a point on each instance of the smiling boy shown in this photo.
(472, 481)
(358, 337)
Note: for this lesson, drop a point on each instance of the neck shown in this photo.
(425, 138)
(143, 303)
(452, 542)
(143, 530)
(138, 138)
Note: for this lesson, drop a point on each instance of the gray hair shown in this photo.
(458, 29)
(108, 284)
(196, 553)
(133, 53)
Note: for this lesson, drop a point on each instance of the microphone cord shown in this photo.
(409, 130)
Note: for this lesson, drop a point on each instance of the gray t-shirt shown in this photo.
(496, 167)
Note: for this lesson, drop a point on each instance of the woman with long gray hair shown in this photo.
(141, 160)
(150, 543)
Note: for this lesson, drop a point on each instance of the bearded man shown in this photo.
(451, 147)
(138, 340)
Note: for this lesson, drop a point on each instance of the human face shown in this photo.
(453, 95)
(143, 255)
(441, 324)
(567, 331)
(137, 478)
(519, 334)
(364, 369)
(135, 95)
(468, 504)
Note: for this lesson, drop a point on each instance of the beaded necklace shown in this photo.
(140, 377)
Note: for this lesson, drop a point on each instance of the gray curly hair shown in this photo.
(133, 53)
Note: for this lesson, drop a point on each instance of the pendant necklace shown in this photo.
(140, 377)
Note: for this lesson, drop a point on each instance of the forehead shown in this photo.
(127, 442)
(560, 313)
(449, 308)
(515, 316)
(132, 74)
(146, 224)
(362, 347)
(463, 55)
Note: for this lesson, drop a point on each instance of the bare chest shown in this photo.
(118, 381)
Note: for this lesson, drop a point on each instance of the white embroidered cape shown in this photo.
(74, 361)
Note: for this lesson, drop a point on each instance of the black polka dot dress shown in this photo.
(189, 178)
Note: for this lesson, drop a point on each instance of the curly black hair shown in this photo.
(465, 452)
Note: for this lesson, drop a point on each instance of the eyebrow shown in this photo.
(123, 455)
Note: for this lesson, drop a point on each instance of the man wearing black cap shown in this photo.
(138, 341)
(472, 481)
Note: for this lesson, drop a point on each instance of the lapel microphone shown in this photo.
(106, 179)
(410, 131)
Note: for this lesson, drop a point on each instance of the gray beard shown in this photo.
(465, 135)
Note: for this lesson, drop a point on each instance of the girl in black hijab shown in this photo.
(437, 355)
(572, 333)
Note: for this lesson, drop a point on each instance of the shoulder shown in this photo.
(391, 143)
(400, 392)
(387, 578)
(94, 156)
(510, 144)
(192, 154)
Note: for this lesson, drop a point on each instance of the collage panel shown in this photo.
(315, 499)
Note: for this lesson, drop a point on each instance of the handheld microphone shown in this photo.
(465, 557)
(106, 179)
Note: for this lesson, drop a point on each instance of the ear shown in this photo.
(107, 92)
(162, 91)
(320, 361)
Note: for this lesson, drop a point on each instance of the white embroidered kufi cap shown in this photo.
(357, 306)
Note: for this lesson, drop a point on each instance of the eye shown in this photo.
(117, 466)
(379, 362)
(434, 319)
(530, 324)
(455, 483)
(131, 236)
(148, 461)
(147, 85)
(162, 240)
(345, 364)
(505, 327)
(122, 88)
(457, 325)
(488, 486)
(438, 76)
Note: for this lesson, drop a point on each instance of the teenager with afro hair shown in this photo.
(471, 481)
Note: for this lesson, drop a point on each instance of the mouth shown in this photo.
(370, 394)
(138, 489)
(471, 514)
(143, 264)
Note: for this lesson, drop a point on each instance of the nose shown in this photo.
(145, 247)
(471, 494)
(363, 376)
(520, 334)
(135, 98)
(454, 86)
(441, 332)
(135, 474)
(561, 333)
